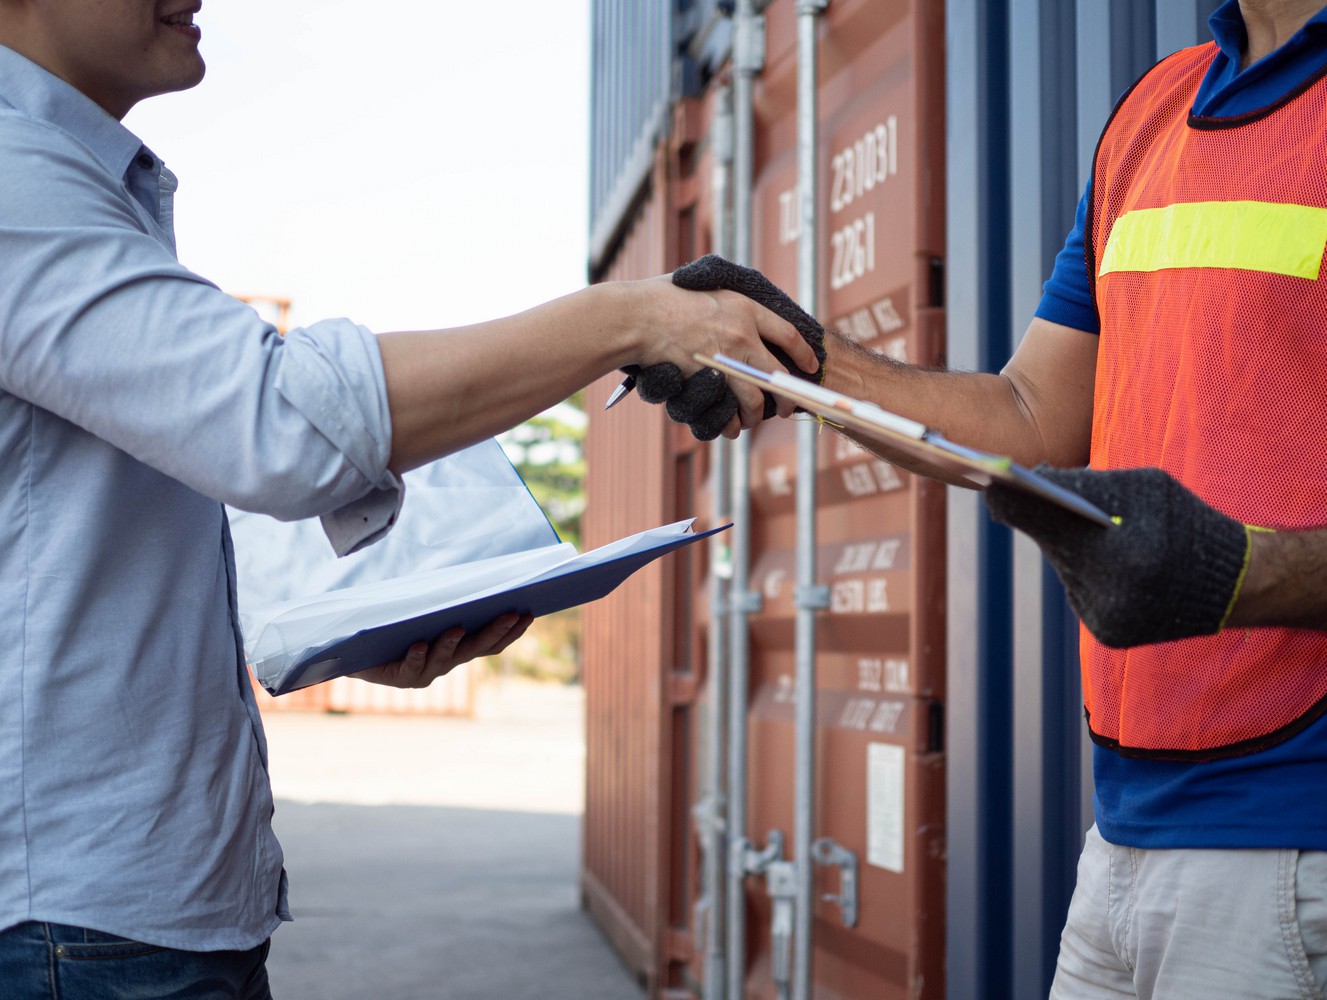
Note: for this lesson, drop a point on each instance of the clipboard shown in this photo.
(579, 580)
(977, 468)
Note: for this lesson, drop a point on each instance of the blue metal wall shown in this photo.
(1030, 83)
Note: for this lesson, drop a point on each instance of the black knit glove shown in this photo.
(704, 401)
(1170, 569)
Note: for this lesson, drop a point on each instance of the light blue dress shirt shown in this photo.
(135, 399)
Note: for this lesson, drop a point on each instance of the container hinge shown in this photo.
(814, 598)
(749, 44)
(826, 852)
(751, 602)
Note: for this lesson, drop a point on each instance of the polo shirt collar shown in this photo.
(1227, 25)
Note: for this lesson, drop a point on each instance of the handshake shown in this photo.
(704, 401)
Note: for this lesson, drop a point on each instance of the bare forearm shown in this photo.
(1038, 409)
(447, 389)
(1285, 583)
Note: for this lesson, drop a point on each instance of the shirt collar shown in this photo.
(41, 95)
(1227, 24)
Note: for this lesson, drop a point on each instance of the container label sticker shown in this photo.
(885, 806)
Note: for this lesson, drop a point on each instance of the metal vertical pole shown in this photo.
(748, 59)
(721, 574)
(809, 598)
(1043, 190)
(978, 702)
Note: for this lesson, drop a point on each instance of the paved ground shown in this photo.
(438, 858)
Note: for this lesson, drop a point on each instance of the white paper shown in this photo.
(468, 506)
(280, 637)
(885, 806)
(467, 523)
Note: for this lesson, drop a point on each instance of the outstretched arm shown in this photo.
(450, 388)
(1037, 409)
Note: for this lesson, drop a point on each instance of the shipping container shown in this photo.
(880, 684)
(949, 784)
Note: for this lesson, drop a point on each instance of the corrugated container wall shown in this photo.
(954, 138)
(881, 653)
(880, 663)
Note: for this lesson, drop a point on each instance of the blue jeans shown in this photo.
(56, 962)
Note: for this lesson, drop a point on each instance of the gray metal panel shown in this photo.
(631, 89)
(1133, 44)
(978, 686)
(1095, 95)
(1181, 23)
(1043, 193)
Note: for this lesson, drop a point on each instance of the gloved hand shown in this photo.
(704, 401)
(1170, 569)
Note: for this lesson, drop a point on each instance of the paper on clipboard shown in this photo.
(978, 468)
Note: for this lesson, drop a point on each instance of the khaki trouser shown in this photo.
(1181, 924)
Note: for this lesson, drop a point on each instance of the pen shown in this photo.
(627, 385)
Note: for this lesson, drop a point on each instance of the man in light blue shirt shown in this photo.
(135, 399)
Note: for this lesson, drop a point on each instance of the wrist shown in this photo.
(615, 312)
(1255, 582)
(632, 313)
(843, 366)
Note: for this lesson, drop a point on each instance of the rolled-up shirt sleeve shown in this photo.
(332, 374)
(102, 326)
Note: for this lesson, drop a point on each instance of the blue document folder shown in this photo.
(573, 582)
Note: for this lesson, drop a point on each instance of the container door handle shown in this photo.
(826, 852)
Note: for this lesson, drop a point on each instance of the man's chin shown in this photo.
(196, 77)
(184, 80)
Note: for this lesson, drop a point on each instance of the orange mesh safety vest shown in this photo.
(1205, 245)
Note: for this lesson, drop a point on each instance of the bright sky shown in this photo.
(409, 165)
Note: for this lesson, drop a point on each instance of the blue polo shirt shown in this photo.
(1276, 798)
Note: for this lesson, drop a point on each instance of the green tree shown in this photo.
(548, 452)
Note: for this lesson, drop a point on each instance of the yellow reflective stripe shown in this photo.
(1248, 235)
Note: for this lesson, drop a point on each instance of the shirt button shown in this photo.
(146, 162)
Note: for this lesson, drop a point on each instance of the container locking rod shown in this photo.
(781, 884)
(749, 861)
